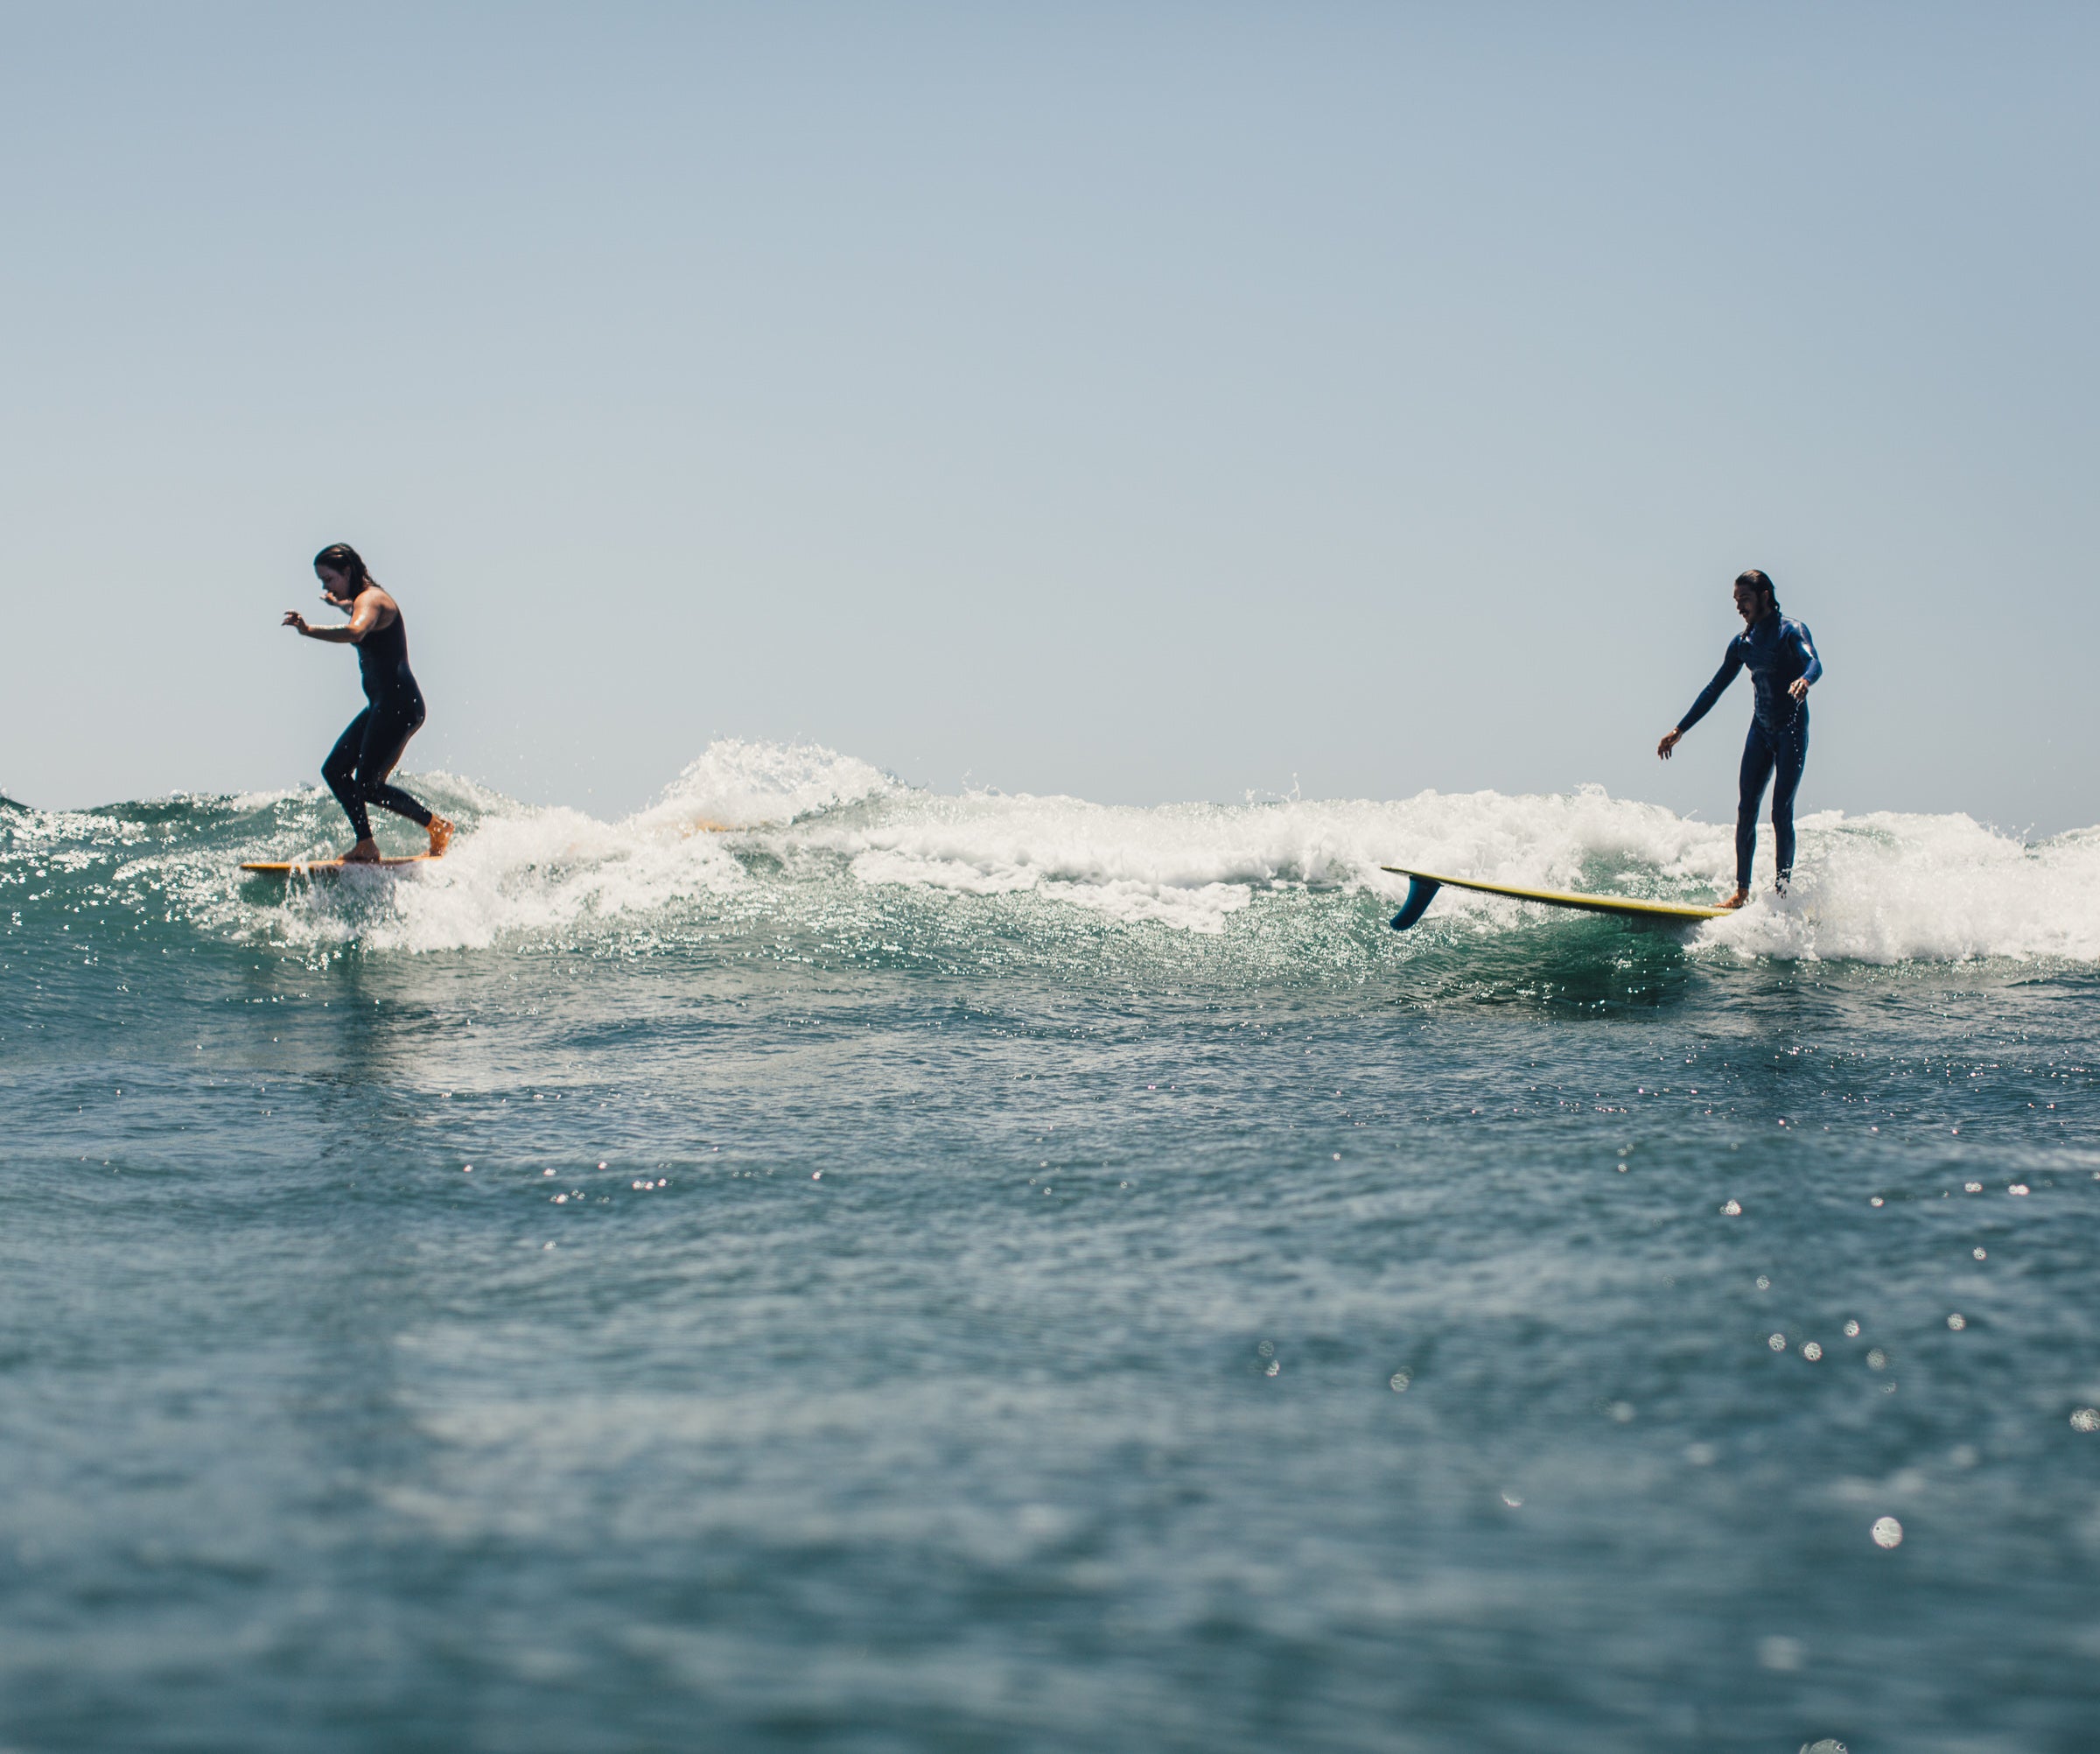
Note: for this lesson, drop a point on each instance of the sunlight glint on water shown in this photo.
(1012, 1272)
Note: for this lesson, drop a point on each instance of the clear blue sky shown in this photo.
(1142, 402)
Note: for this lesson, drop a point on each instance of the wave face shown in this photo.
(1018, 1273)
(801, 836)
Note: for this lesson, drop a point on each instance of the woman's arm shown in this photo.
(364, 616)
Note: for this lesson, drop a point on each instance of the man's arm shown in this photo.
(1806, 643)
(1713, 691)
(1704, 705)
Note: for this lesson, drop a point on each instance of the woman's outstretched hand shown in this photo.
(294, 619)
(1669, 742)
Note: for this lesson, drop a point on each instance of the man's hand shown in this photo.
(294, 619)
(1800, 691)
(1669, 742)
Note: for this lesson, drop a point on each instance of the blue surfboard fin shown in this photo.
(1420, 892)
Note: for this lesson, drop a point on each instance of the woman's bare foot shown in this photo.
(1735, 901)
(365, 853)
(441, 836)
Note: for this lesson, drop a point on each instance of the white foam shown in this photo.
(738, 784)
(522, 873)
(1194, 865)
(1879, 889)
(1888, 889)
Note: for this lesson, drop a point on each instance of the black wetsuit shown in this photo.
(357, 768)
(1777, 653)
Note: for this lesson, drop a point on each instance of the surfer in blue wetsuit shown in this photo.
(1781, 660)
(357, 768)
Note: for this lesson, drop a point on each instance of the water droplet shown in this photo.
(1399, 1381)
(1781, 1654)
(2086, 1419)
(1763, 1284)
(1958, 1322)
(1972, 1186)
(1887, 1531)
(1812, 1351)
(1852, 1331)
(2018, 1188)
(1273, 1368)
(1877, 1359)
(1875, 1200)
(1778, 1342)
(1515, 1501)
(1732, 1210)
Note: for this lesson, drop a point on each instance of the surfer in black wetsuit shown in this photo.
(1781, 660)
(357, 768)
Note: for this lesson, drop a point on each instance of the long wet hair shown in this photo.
(346, 560)
(1756, 578)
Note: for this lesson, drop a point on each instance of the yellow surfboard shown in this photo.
(1423, 885)
(328, 867)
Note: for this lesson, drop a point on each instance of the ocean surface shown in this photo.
(992, 1273)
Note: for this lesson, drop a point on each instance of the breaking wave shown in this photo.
(748, 827)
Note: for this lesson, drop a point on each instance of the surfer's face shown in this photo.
(334, 586)
(1749, 604)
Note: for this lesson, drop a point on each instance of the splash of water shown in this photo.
(755, 825)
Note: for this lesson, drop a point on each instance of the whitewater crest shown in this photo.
(738, 784)
(799, 833)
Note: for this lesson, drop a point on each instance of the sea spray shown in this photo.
(787, 829)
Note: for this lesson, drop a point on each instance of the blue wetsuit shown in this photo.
(1777, 653)
(357, 768)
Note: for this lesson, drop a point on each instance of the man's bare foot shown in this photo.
(1735, 901)
(441, 836)
(365, 853)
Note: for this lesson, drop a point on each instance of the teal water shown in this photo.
(1004, 1274)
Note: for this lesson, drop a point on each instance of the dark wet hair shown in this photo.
(341, 557)
(1758, 579)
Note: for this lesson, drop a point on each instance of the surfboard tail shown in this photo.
(1420, 892)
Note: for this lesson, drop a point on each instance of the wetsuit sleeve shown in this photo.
(1713, 690)
(1806, 641)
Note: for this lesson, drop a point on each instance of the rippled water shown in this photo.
(1001, 1273)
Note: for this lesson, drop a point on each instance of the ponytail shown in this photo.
(1756, 578)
